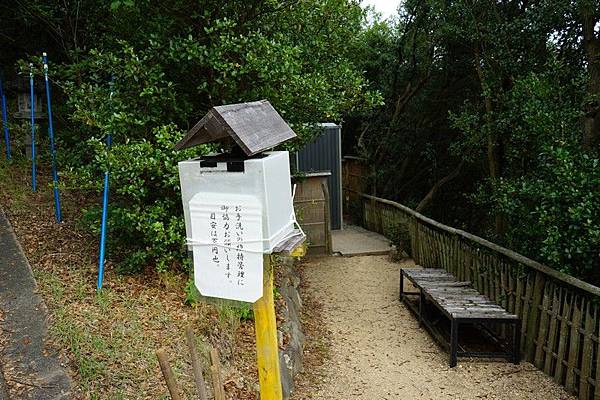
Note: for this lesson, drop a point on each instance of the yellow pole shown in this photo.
(267, 350)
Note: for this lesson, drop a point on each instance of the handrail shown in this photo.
(561, 276)
(560, 314)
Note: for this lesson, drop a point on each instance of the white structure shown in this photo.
(227, 239)
(237, 206)
(267, 178)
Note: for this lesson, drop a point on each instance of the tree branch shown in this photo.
(428, 199)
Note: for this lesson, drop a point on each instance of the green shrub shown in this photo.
(554, 216)
(167, 73)
(145, 214)
(399, 234)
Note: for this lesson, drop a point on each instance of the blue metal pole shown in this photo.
(57, 211)
(103, 232)
(33, 171)
(104, 226)
(5, 121)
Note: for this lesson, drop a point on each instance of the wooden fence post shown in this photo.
(267, 349)
(196, 364)
(328, 240)
(217, 380)
(532, 324)
(560, 315)
(414, 242)
(165, 367)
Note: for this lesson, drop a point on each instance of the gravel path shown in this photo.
(379, 352)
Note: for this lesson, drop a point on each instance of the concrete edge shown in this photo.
(26, 316)
(366, 253)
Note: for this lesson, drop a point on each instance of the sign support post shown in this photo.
(267, 350)
(245, 203)
(265, 325)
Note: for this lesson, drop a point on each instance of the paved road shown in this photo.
(31, 368)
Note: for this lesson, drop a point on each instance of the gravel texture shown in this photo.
(378, 351)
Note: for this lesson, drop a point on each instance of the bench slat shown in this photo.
(461, 303)
(459, 299)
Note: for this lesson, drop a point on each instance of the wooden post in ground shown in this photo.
(267, 349)
(215, 370)
(174, 389)
(196, 364)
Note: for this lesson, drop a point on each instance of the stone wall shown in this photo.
(290, 331)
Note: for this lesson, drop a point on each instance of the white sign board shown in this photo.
(227, 241)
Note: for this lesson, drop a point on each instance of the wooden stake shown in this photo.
(215, 370)
(267, 350)
(167, 372)
(196, 365)
(214, 373)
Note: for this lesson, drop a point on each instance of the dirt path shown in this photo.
(379, 352)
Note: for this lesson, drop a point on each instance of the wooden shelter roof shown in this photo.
(255, 127)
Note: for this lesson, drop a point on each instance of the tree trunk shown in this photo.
(494, 144)
(428, 199)
(591, 44)
(407, 95)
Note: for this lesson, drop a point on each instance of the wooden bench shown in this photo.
(461, 304)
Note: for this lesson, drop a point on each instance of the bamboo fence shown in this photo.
(559, 313)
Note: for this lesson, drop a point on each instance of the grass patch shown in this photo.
(110, 337)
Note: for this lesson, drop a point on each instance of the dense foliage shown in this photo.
(171, 61)
(490, 118)
(492, 121)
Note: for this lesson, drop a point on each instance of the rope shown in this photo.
(293, 221)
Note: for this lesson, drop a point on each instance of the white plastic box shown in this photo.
(267, 178)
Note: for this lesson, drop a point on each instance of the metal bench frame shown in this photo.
(513, 354)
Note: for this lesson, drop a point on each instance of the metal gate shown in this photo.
(324, 153)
